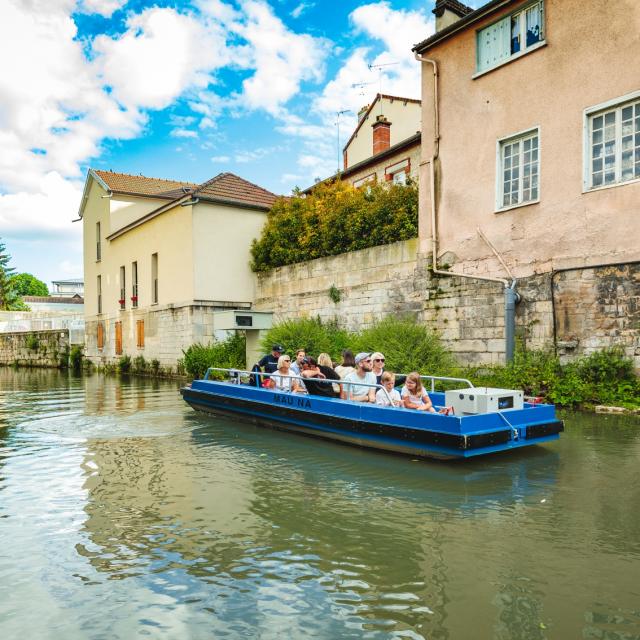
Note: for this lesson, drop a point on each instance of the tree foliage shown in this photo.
(27, 285)
(9, 297)
(335, 218)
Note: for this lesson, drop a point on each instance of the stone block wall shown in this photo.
(579, 310)
(33, 348)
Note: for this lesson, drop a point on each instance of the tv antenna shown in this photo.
(337, 123)
(379, 68)
(361, 86)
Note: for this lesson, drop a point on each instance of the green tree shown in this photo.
(9, 297)
(27, 285)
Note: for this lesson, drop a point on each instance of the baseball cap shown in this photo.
(362, 356)
(277, 347)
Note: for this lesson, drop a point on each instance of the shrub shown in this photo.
(226, 354)
(139, 364)
(407, 346)
(31, 342)
(63, 358)
(335, 218)
(124, 364)
(75, 358)
(310, 334)
(155, 367)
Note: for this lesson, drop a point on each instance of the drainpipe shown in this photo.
(510, 294)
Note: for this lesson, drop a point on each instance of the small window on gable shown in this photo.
(512, 35)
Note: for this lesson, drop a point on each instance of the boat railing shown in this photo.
(446, 379)
(235, 374)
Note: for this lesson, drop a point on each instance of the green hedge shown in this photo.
(335, 218)
(226, 354)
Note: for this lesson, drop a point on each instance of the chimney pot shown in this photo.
(381, 134)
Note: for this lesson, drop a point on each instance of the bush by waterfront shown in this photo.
(604, 377)
(335, 218)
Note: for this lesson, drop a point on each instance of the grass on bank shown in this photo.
(604, 377)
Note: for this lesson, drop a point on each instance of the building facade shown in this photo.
(161, 258)
(531, 156)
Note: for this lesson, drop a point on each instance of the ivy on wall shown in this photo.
(335, 218)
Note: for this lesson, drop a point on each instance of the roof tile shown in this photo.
(143, 186)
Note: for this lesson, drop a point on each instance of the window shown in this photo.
(398, 172)
(100, 336)
(519, 164)
(118, 338)
(134, 285)
(140, 334)
(123, 289)
(514, 35)
(154, 278)
(98, 247)
(99, 290)
(367, 180)
(614, 145)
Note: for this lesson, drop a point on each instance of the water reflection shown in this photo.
(150, 517)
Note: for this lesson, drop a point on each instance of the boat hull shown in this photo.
(402, 431)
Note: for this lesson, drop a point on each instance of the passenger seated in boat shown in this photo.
(348, 364)
(296, 365)
(388, 381)
(324, 360)
(282, 380)
(414, 395)
(377, 359)
(269, 363)
(323, 386)
(362, 376)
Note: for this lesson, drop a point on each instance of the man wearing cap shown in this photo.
(362, 376)
(269, 363)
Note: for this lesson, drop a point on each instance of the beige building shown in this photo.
(162, 257)
(385, 145)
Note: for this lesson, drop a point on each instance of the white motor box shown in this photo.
(475, 400)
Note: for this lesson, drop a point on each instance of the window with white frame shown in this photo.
(614, 145)
(519, 162)
(511, 36)
(397, 173)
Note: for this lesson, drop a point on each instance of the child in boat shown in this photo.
(414, 395)
(388, 381)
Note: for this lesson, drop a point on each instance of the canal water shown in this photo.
(124, 514)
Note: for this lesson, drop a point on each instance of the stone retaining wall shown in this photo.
(34, 348)
(581, 310)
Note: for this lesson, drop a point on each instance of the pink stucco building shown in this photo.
(531, 143)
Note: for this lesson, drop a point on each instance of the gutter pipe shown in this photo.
(511, 297)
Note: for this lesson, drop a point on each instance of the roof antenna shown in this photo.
(379, 67)
(337, 123)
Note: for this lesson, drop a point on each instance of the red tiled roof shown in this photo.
(453, 5)
(231, 188)
(55, 299)
(144, 186)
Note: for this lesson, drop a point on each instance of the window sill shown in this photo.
(517, 206)
(610, 186)
(516, 56)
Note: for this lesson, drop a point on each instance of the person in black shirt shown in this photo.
(322, 387)
(269, 363)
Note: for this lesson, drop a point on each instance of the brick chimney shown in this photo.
(381, 134)
(449, 11)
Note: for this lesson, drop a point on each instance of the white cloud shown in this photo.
(281, 58)
(162, 54)
(103, 7)
(221, 159)
(301, 8)
(183, 133)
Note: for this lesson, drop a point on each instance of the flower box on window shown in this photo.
(134, 299)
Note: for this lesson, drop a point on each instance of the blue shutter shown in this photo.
(494, 44)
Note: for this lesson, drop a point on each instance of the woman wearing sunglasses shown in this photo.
(377, 360)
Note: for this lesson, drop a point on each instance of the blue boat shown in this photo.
(392, 429)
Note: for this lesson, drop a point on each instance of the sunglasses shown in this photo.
(378, 359)
(287, 360)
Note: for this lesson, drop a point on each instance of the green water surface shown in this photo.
(124, 514)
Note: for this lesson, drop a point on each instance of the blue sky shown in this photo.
(181, 89)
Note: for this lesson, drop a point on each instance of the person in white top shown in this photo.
(296, 365)
(348, 364)
(364, 389)
(414, 395)
(388, 381)
(282, 379)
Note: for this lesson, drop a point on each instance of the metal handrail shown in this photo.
(236, 372)
(434, 378)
